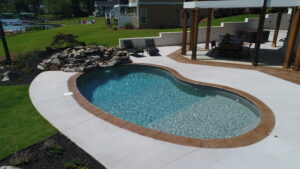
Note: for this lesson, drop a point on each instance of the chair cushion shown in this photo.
(128, 44)
(135, 50)
(152, 49)
(150, 43)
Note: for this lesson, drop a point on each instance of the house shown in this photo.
(149, 14)
(157, 14)
(102, 6)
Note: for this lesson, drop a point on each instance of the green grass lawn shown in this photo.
(20, 124)
(238, 18)
(96, 33)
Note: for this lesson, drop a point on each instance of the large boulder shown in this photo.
(91, 51)
(47, 61)
(56, 62)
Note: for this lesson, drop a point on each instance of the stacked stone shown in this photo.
(81, 59)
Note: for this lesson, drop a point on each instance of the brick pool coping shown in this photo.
(263, 130)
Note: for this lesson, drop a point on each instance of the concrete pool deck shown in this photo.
(117, 148)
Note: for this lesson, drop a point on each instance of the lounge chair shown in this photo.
(128, 46)
(151, 47)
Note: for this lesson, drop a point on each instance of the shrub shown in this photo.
(52, 147)
(129, 25)
(57, 150)
(26, 60)
(75, 164)
(114, 27)
(65, 40)
(20, 158)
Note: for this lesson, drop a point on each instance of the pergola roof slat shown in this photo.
(240, 4)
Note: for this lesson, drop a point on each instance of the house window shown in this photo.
(143, 16)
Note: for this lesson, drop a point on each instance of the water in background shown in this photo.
(16, 25)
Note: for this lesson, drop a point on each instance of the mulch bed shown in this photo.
(25, 74)
(37, 156)
(42, 157)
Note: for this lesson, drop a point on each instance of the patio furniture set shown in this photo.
(150, 48)
(233, 44)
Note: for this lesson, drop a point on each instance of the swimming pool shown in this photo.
(153, 98)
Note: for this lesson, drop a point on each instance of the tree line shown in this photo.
(60, 8)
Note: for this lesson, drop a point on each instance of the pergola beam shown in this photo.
(292, 37)
(196, 20)
(259, 32)
(184, 32)
(296, 65)
(277, 27)
(208, 28)
(192, 18)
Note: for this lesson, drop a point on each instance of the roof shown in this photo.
(240, 3)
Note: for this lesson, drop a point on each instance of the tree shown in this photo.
(34, 5)
(69, 8)
(6, 6)
(2, 36)
(62, 8)
(21, 6)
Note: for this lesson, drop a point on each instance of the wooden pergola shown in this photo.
(194, 6)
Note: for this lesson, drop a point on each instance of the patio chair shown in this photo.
(151, 47)
(131, 49)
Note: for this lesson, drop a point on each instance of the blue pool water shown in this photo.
(153, 98)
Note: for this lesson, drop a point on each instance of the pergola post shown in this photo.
(296, 65)
(277, 27)
(292, 37)
(192, 29)
(184, 32)
(194, 52)
(208, 28)
(259, 33)
(4, 43)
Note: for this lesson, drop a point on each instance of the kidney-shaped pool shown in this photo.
(153, 98)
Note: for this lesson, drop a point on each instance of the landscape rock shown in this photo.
(9, 75)
(41, 67)
(47, 61)
(91, 51)
(56, 62)
(78, 48)
(9, 167)
(81, 59)
(55, 56)
(67, 69)
(4, 78)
